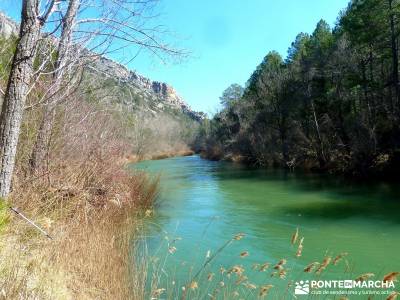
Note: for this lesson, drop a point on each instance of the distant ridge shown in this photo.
(157, 91)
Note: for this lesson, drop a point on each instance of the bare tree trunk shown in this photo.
(17, 91)
(42, 143)
(395, 59)
(320, 146)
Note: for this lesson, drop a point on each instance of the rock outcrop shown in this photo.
(158, 92)
(7, 26)
(165, 93)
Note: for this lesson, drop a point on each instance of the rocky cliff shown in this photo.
(159, 95)
(7, 26)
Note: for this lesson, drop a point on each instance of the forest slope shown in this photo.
(332, 104)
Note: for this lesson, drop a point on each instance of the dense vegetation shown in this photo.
(83, 198)
(153, 131)
(332, 104)
(79, 191)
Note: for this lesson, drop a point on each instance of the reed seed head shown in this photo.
(265, 289)
(339, 258)
(244, 254)
(324, 264)
(300, 247)
(210, 276)
(295, 236)
(309, 268)
(250, 286)
(264, 267)
(393, 296)
(238, 270)
(280, 264)
(238, 236)
(364, 277)
(392, 276)
(193, 285)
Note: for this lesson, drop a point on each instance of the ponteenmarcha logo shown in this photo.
(329, 286)
(302, 287)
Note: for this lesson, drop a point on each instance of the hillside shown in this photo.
(148, 95)
(331, 105)
(7, 26)
(144, 95)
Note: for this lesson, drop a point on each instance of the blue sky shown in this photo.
(227, 40)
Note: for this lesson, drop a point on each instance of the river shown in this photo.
(205, 203)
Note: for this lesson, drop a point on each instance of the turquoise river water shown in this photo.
(203, 204)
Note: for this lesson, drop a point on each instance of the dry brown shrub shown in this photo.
(91, 205)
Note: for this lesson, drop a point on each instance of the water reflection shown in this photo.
(205, 203)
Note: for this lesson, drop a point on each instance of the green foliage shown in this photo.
(231, 95)
(4, 214)
(7, 48)
(333, 103)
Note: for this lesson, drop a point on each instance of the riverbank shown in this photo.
(134, 158)
(93, 220)
(83, 196)
(384, 168)
(205, 204)
(93, 210)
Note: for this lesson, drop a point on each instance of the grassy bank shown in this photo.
(81, 193)
(92, 215)
(89, 255)
(159, 155)
(86, 200)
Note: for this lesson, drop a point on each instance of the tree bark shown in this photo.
(17, 90)
(395, 59)
(320, 146)
(42, 143)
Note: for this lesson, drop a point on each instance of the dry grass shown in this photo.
(84, 197)
(263, 280)
(163, 155)
(86, 200)
(90, 256)
(158, 155)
